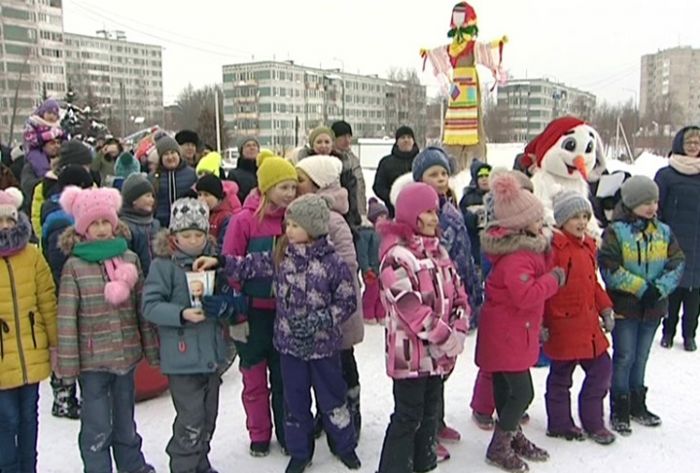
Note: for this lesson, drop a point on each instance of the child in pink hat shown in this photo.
(426, 325)
(101, 333)
(507, 343)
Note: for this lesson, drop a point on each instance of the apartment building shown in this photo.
(669, 89)
(124, 77)
(31, 60)
(528, 105)
(281, 102)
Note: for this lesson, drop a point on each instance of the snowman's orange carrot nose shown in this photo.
(580, 164)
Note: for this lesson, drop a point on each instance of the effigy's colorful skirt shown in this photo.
(462, 117)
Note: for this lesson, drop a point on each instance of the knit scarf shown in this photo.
(13, 240)
(685, 164)
(122, 275)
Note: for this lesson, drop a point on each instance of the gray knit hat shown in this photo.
(568, 204)
(638, 190)
(134, 187)
(165, 144)
(312, 213)
(189, 214)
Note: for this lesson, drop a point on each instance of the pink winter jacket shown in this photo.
(424, 299)
(341, 237)
(247, 233)
(516, 290)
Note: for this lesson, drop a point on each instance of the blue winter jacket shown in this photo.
(143, 229)
(679, 207)
(368, 249)
(170, 186)
(455, 239)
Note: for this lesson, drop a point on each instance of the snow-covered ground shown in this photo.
(673, 394)
(671, 376)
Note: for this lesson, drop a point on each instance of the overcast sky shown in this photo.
(595, 45)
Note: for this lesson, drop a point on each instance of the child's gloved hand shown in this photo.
(608, 317)
(454, 345)
(650, 297)
(560, 275)
(239, 332)
(216, 307)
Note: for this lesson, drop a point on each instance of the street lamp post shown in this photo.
(342, 69)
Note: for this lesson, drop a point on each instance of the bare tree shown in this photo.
(198, 112)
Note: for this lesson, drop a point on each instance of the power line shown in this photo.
(98, 17)
(151, 27)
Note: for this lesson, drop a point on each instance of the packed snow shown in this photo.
(671, 377)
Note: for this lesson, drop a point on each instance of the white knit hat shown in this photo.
(322, 169)
(10, 202)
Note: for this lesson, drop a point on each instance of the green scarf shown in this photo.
(100, 250)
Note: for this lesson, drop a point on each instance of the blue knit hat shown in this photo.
(430, 156)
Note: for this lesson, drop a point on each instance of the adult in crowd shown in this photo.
(105, 159)
(173, 178)
(29, 179)
(343, 148)
(245, 173)
(398, 163)
(679, 207)
(16, 162)
(189, 142)
(321, 142)
(472, 205)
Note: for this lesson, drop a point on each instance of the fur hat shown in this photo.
(312, 213)
(375, 209)
(187, 136)
(513, 206)
(638, 190)
(323, 170)
(211, 184)
(74, 152)
(272, 170)
(134, 187)
(414, 199)
(341, 128)
(189, 214)
(430, 156)
(89, 205)
(318, 131)
(10, 202)
(568, 204)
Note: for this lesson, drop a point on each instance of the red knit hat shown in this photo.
(538, 147)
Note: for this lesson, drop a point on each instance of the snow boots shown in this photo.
(639, 411)
(500, 452)
(620, 414)
(65, 402)
(526, 449)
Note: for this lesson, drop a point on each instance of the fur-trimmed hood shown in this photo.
(162, 248)
(13, 240)
(69, 238)
(499, 241)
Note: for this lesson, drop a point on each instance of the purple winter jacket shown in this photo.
(314, 293)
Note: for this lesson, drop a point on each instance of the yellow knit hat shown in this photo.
(272, 170)
(209, 164)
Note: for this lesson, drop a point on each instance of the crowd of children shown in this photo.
(288, 272)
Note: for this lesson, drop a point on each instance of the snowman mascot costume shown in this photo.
(567, 155)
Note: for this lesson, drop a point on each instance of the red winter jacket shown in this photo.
(516, 290)
(572, 315)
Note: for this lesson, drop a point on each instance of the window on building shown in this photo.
(19, 33)
(262, 75)
(18, 14)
